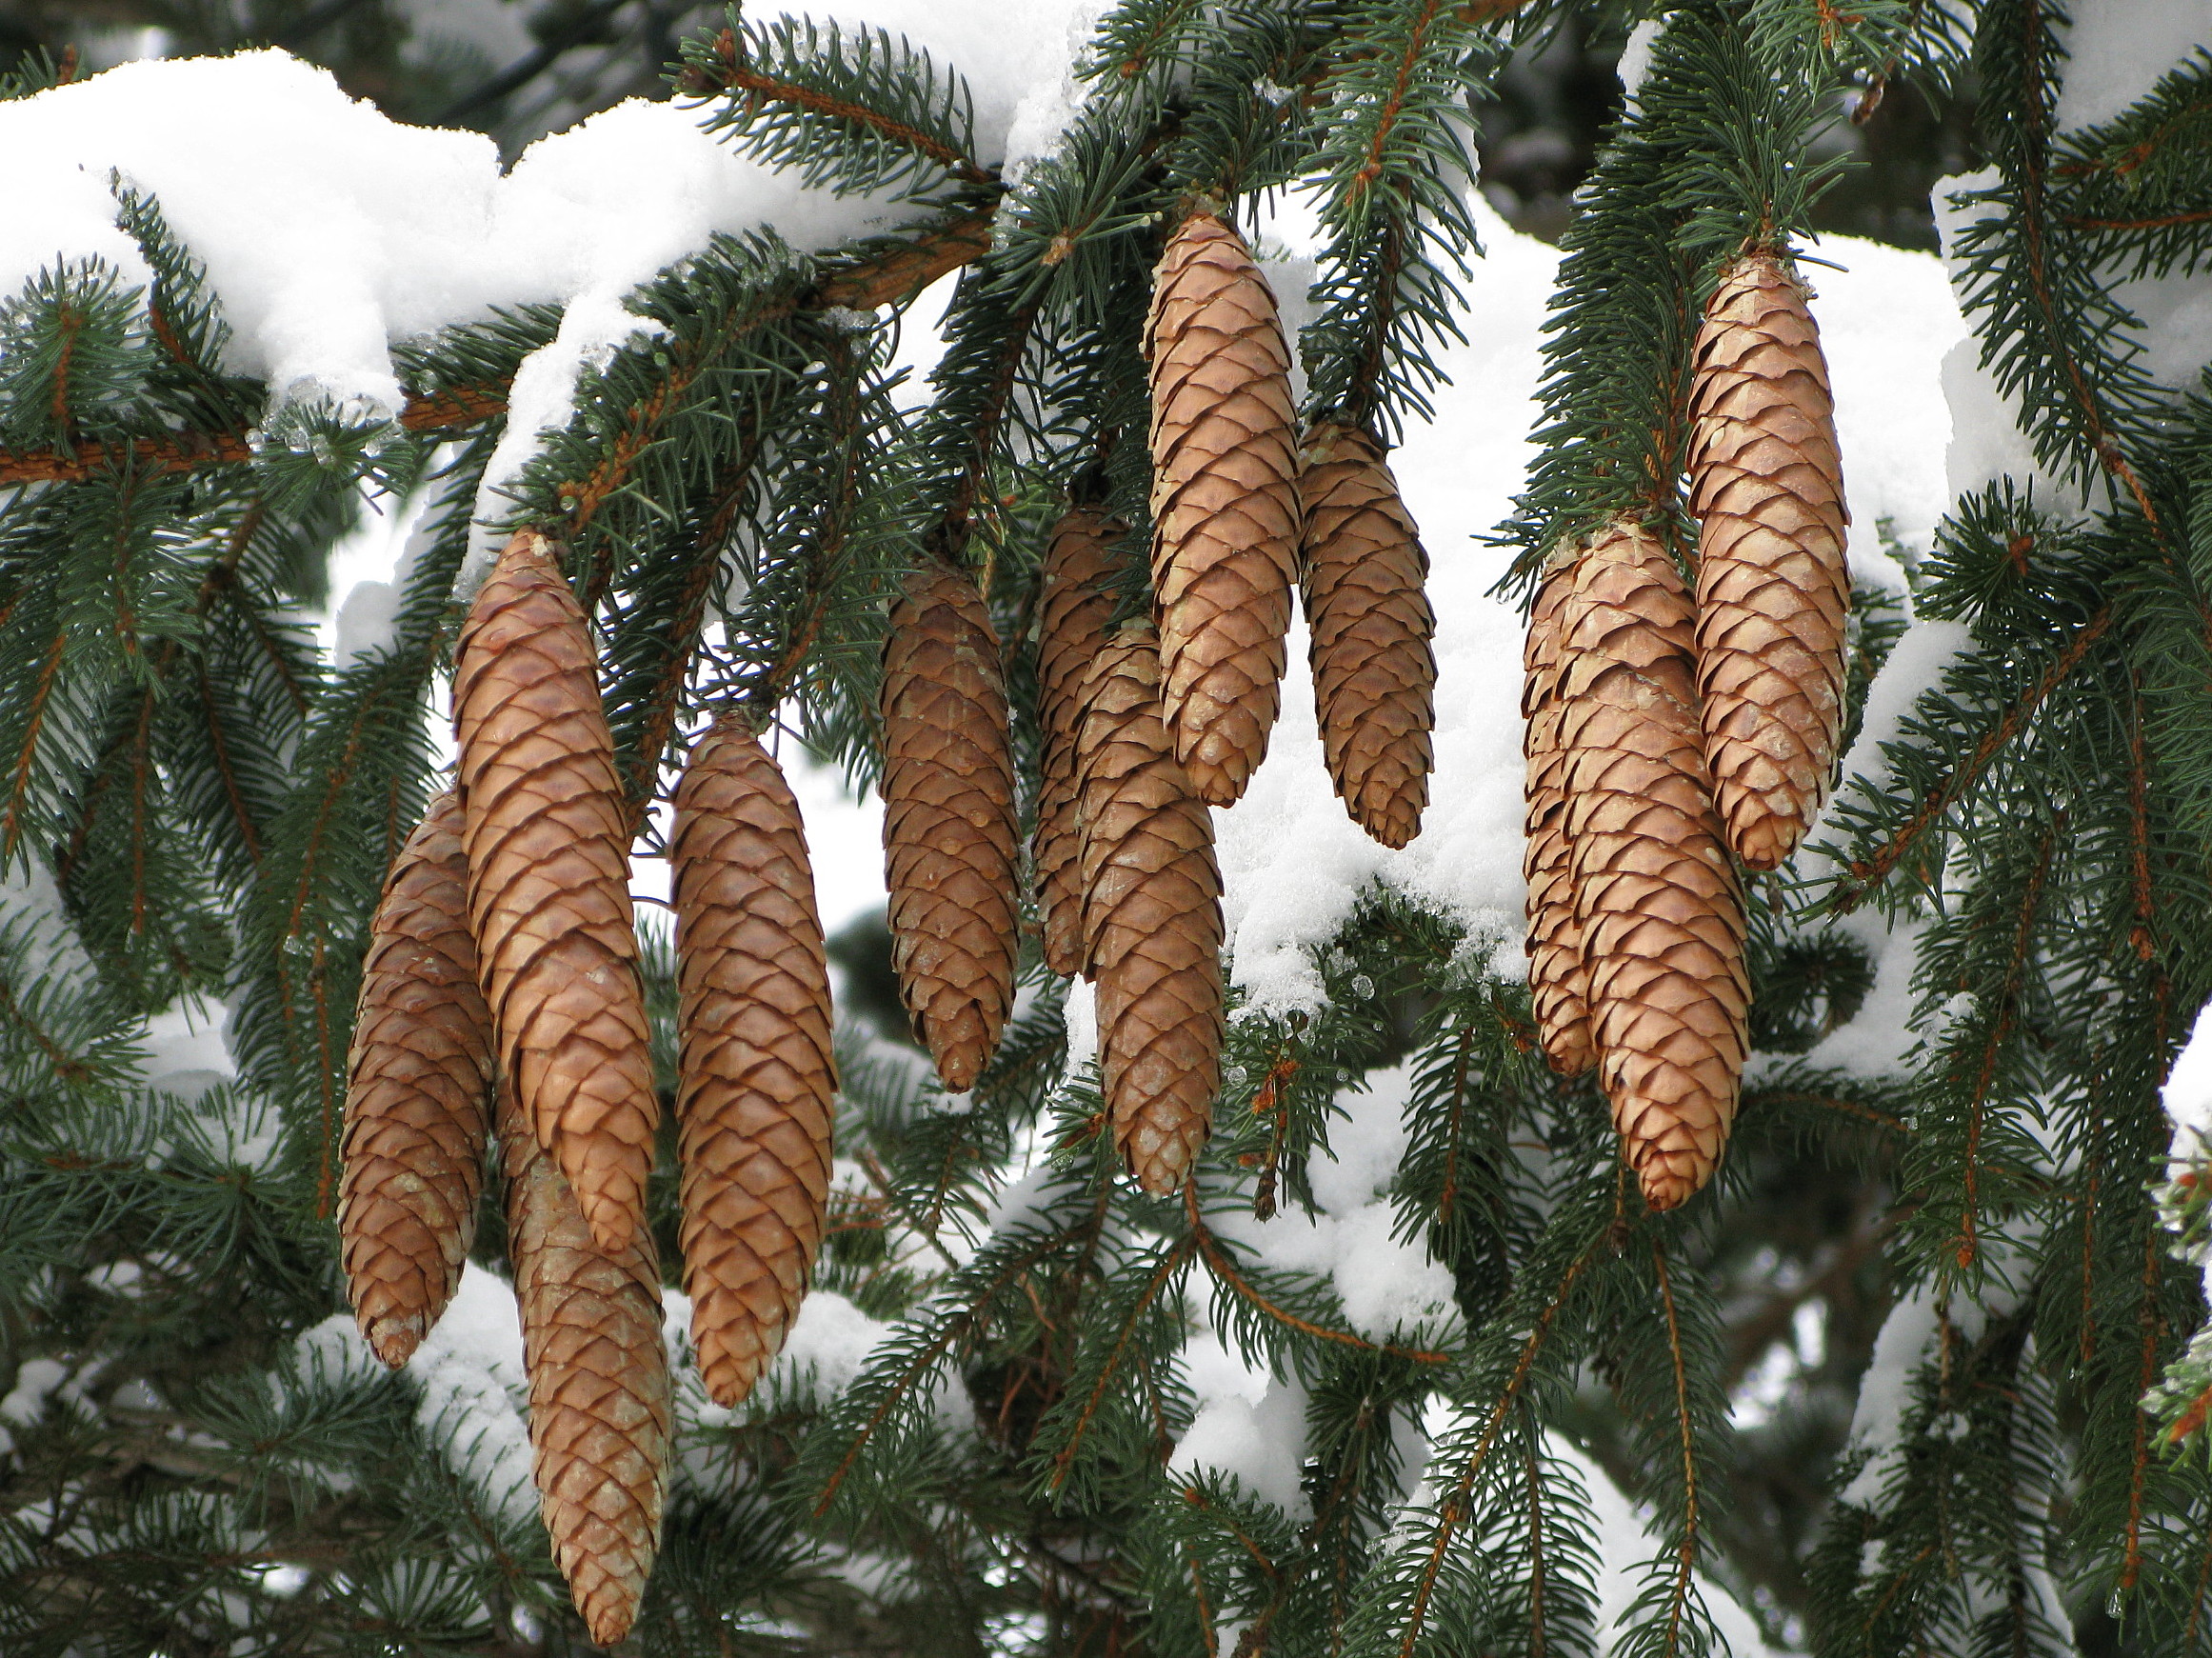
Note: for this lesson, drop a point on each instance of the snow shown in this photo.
(829, 1343)
(1249, 1425)
(476, 1392)
(329, 231)
(1389, 1289)
(1636, 59)
(2118, 50)
(1624, 1552)
(2187, 1094)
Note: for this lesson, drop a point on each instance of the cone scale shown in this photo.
(1559, 985)
(1075, 602)
(950, 834)
(756, 1080)
(1151, 904)
(599, 1391)
(1225, 503)
(549, 884)
(1361, 576)
(417, 1106)
(1774, 593)
(1656, 895)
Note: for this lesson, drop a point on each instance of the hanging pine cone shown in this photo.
(755, 1096)
(1151, 906)
(1662, 914)
(1559, 985)
(1362, 573)
(1075, 602)
(1224, 502)
(1774, 593)
(949, 830)
(416, 1113)
(549, 884)
(598, 1373)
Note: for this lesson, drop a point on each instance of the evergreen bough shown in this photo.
(194, 802)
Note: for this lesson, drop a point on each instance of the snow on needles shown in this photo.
(329, 231)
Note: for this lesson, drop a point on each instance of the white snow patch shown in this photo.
(1250, 1423)
(475, 1399)
(1636, 59)
(829, 1341)
(1389, 1287)
(2118, 50)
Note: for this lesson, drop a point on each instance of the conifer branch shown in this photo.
(1868, 872)
(1455, 1509)
(1225, 1269)
(1687, 1550)
(1063, 1459)
(885, 277)
(726, 67)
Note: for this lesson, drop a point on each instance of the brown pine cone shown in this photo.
(1075, 602)
(1559, 985)
(1224, 502)
(1661, 911)
(1774, 593)
(416, 1112)
(600, 1399)
(1151, 906)
(950, 835)
(1374, 676)
(549, 884)
(755, 1099)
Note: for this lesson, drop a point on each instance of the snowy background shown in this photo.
(329, 231)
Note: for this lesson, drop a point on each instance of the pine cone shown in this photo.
(1224, 502)
(549, 884)
(1374, 677)
(755, 1097)
(598, 1371)
(1661, 912)
(1151, 906)
(950, 836)
(1075, 602)
(1559, 985)
(1774, 593)
(416, 1116)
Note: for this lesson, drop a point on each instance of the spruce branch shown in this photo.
(889, 272)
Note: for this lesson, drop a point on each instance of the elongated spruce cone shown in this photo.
(549, 884)
(600, 1398)
(1363, 575)
(1224, 502)
(755, 1095)
(1774, 593)
(417, 1095)
(1559, 984)
(1661, 911)
(1151, 903)
(950, 834)
(1075, 602)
